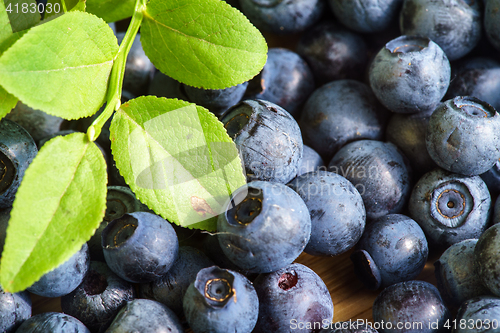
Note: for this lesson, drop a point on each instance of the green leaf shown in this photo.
(177, 158)
(111, 10)
(23, 14)
(60, 202)
(5, 28)
(79, 5)
(61, 67)
(202, 43)
(7, 102)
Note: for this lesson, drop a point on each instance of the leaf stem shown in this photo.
(117, 72)
(63, 3)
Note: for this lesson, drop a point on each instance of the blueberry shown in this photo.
(139, 70)
(456, 275)
(286, 80)
(487, 258)
(480, 78)
(139, 247)
(145, 316)
(282, 17)
(268, 139)
(378, 171)
(415, 306)
(393, 249)
(17, 150)
(14, 310)
(164, 86)
(216, 101)
(333, 52)
(53, 322)
(38, 123)
(340, 112)
(265, 227)
(410, 74)
(65, 278)
(212, 249)
(98, 298)
(478, 315)
(463, 136)
(492, 22)
(169, 289)
(365, 15)
(455, 25)
(119, 201)
(492, 178)
(337, 212)
(450, 207)
(311, 161)
(221, 301)
(292, 299)
(407, 132)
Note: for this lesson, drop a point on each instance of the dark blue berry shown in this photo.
(53, 322)
(265, 227)
(463, 136)
(487, 258)
(65, 278)
(337, 212)
(450, 207)
(268, 139)
(17, 150)
(139, 247)
(14, 310)
(410, 74)
(221, 301)
(292, 299)
(340, 112)
(98, 298)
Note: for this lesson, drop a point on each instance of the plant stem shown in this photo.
(116, 78)
(63, 3)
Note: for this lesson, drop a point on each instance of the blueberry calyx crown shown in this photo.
(451, 203)
(473, 107)
(120, 230)
(94, 283)
(7, 172)
(247, 209)
(288, 280)
(407, 44)
(238, 120)
(216, 285)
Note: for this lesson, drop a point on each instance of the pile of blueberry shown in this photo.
(399, 97)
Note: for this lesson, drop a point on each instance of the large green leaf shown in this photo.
(23, 14)
(61, 67)
(61, 201)
(202, 43)
(177, 158)
(111, 10)
(7, 102)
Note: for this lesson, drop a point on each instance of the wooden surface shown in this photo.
(350, 298)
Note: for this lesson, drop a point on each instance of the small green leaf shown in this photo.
(111, 10)
(61, 201)
(61, 67)
(177, 158)
(7, 102)
(23, 14)
(202, 43)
